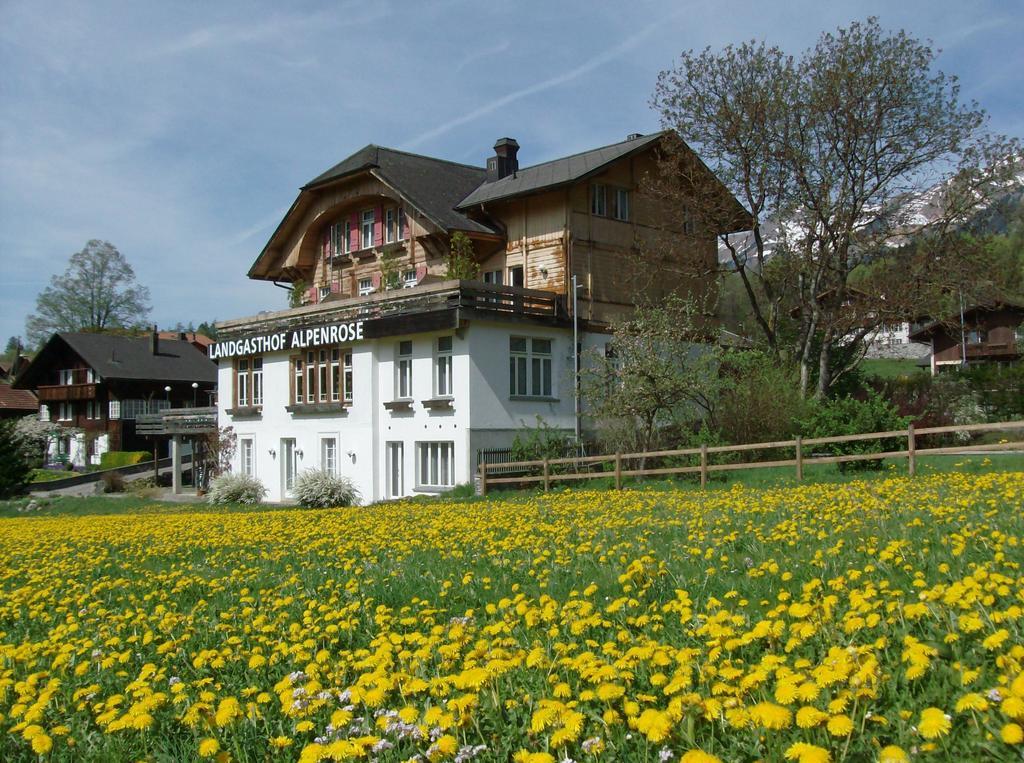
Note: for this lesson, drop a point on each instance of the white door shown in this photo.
(287, 467)
(396, 455)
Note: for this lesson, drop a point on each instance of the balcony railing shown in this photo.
(65, 392)
(473, 295)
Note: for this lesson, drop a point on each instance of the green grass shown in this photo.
(891, 368)
(49, 475)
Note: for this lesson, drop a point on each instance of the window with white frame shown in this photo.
(599, 200)
(346, 375)
(329, 455)
(325, 292)
(366, 228)
(403, 228)
(408, 279)
(44, 412)
(436, 464)
(114, 410)
(247, 450)
(530, 370)
(64, 412)
(365, 286)
(390, 225)
(346, 244)
(492, 277)
(443, 367)
(248, 381)
(339, 238)
(977, 336)
(403, 370)
(620, 203)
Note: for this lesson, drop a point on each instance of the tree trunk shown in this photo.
(824, 367)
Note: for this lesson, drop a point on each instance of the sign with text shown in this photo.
(281, 341)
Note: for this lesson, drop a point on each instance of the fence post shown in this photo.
(703, 465)
(911, 450)
(547, 480)
(799, 458)
(483, 478)
(618, 471)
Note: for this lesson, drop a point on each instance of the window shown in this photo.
(977, 336)
(403, 371)
(322, 376)
(529, 367)
(390, 225)
(246, 451)
(365, 286)
(132, 408)
(366, 228)
(408, 279)
(329, 455)
(339, 238)
(92, 410)
(395, 462)
(436, 464)
(620, 204)
(90, 376)
(114, 410)
(248, 382)
(443, 367)
(493, 277)
(64, 412)
(44, 413)
(402, 226)
(1019, 335)
(515, 276)
(347, 241)
(598, 200)
(325, 292)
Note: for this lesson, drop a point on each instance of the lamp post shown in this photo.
(167, 391)
(195, 390)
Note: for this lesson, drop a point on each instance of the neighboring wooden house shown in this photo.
(95, 385)
(200, 341)
(15, 403)
(989, 334)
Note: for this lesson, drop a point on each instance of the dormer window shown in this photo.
(366, 228)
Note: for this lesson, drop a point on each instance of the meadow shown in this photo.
(869, 620)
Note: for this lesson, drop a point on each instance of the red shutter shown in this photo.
(327, 242)
(378, 226)
(311, 294)
(421, 273)
(376, 281)
(335, 287)
(354, 233)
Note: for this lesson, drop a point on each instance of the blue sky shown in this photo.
(180, 132)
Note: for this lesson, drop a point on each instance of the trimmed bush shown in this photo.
(236, 488)
(320, 490)
(112, 482)
(850, 415)
(113, 459)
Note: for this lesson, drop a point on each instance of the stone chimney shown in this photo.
(504, 161)
(154, 341)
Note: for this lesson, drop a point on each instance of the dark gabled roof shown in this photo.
(434, 186)
(927, 326)
(558, 172)
(17, 399)
(115, 357)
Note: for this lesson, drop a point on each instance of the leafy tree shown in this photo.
(14, 467)
(389, 275)
(297, 293)
(660, 374)
(462, 264)
(826, 151)
(35, 436)
(97, 292)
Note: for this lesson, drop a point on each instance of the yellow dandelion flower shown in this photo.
(840, 725)
(933, 724)
(809, 717)
(41, 744)
(771, 716)
(808, 753)
(1013, 707)
(208, 747)
(972, 701)
(1012, 733)
(699, 756)
(280, 742)
(893, 754)
(654, 724)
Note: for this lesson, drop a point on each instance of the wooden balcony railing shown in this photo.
(66, 392)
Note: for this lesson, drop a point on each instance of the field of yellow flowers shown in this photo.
(874, 620)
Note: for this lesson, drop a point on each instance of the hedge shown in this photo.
(115, 458)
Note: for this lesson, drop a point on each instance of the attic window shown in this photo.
(366, 229)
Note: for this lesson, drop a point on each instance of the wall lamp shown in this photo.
(298, 452)
(272, 452)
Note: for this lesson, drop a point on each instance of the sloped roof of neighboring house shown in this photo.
(568, 169)
(924, 330)
(17, 399)
(115, 357)
(433, 186)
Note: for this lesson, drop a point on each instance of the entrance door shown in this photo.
(395, 457)
(287, 467)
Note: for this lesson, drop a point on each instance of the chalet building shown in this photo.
(990, 334)
(15, 403)
(395, 376)
(94, 385)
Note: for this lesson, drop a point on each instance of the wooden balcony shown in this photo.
(66, 392)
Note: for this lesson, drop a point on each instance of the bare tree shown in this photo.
(97, 292)
(834, 155)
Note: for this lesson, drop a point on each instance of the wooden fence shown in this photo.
(587, 467)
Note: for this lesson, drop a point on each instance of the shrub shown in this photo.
(850, 415)
(113, 459)
(760, 400)
(15, 470)
(113, 482)
(236, 488)
(319, 489)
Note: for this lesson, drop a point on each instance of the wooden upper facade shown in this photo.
(584, 215)
(990, 334)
